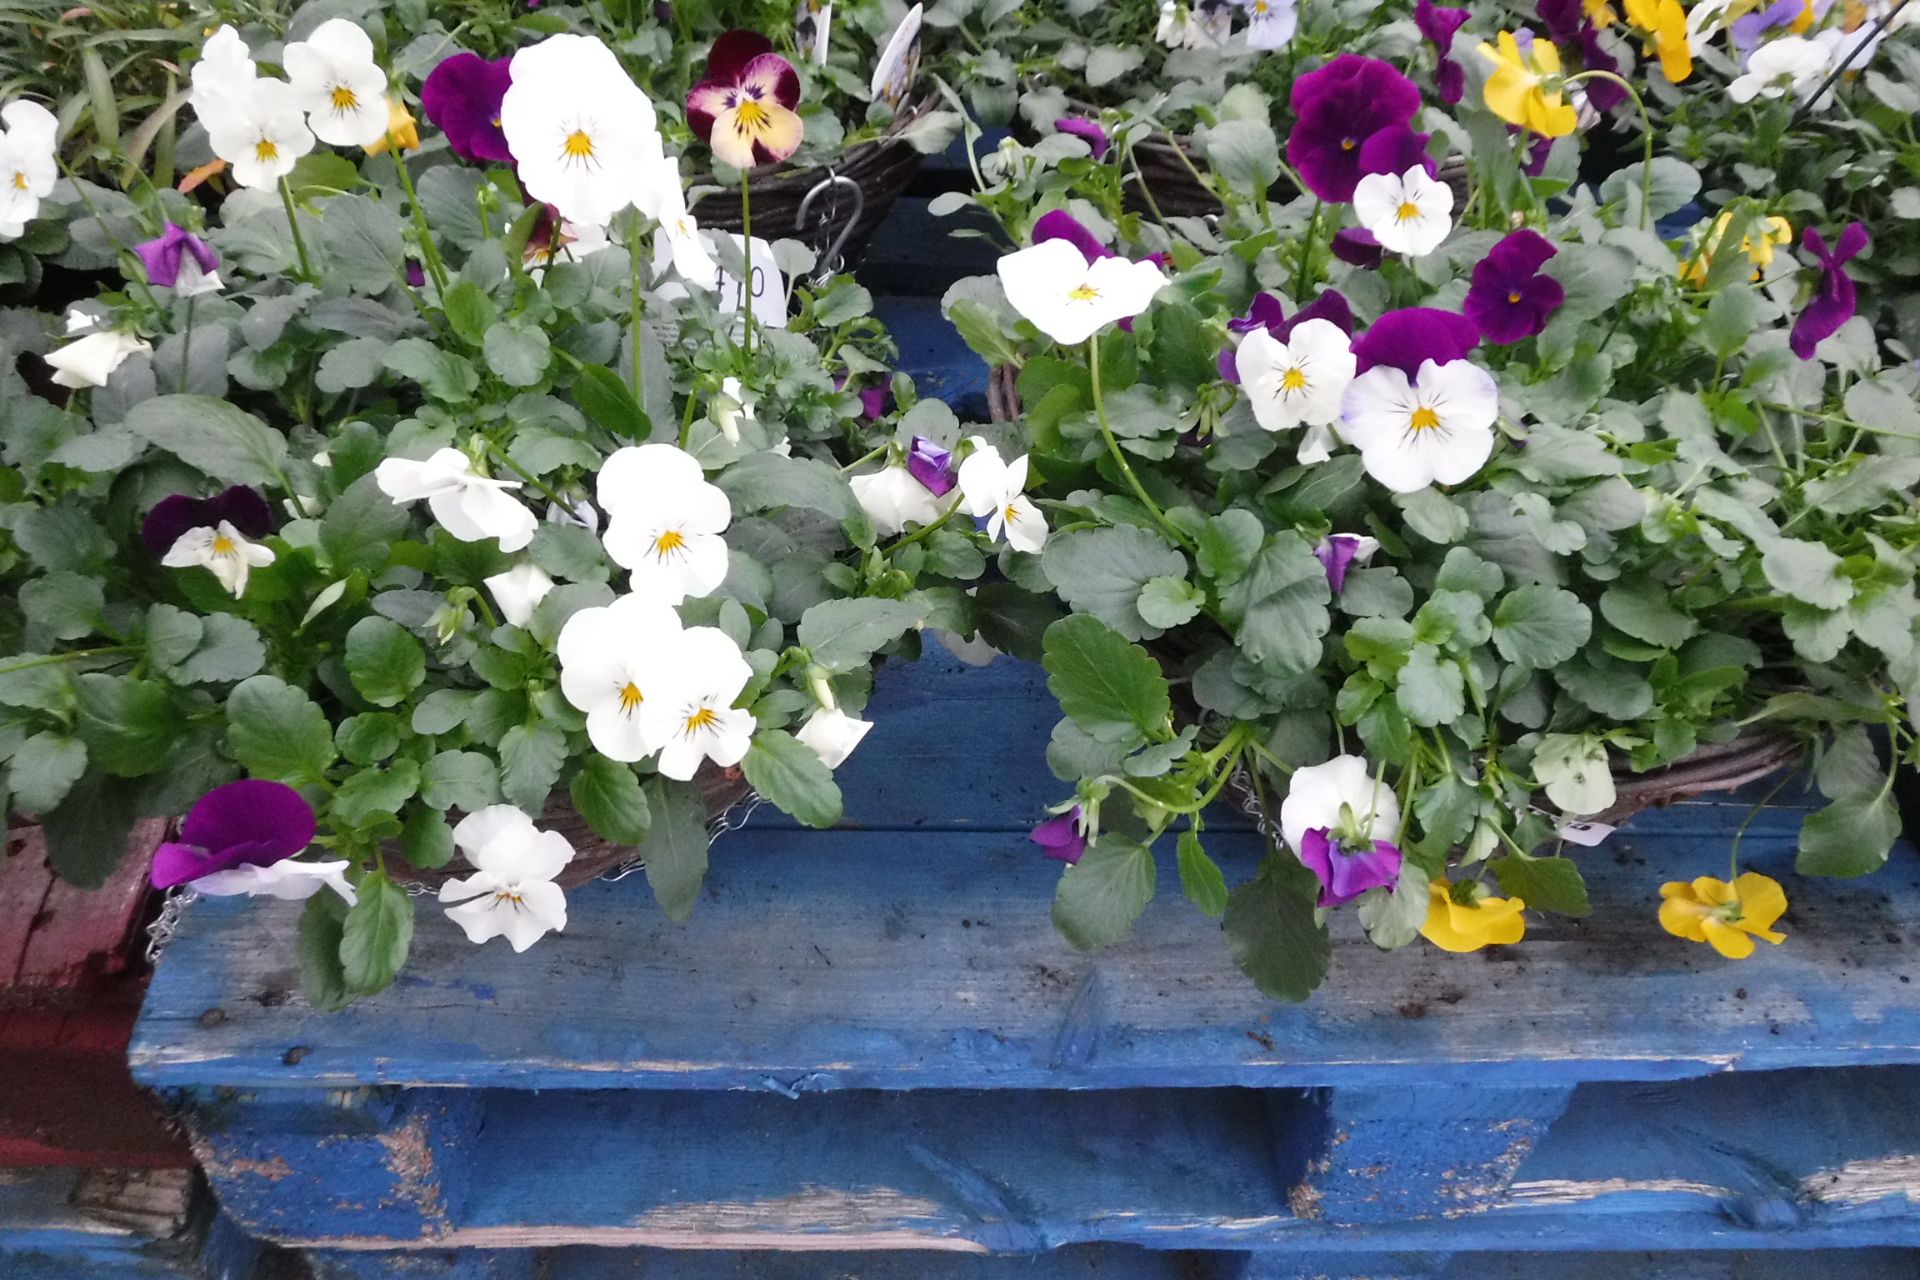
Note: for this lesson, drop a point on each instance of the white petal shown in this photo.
(983, 478)
(492, 824)
(833, 734)
(1025, 527)
(519, 590)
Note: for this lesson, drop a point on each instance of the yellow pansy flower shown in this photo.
(401, 128)
(1666, 22)
(1774, 232)
(1800, 25)
(1599, 13)
(1524, 88)
(1453, 925)
(1726, 916)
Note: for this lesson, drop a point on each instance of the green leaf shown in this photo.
(1200, 876)
(368, 738)
(1849, 837)
(531, 757)
(1429, 689)
(1170, 601)
(361, 526)
(366, 246)
(384, 661)
(322, 929)
(87, 834)
(766, 481)
(426, 839)
(470, 312)
(675, 847)
(1540, 626)
(1280, 606)
(130, 726)
(1272, 933)
(442, 374)
(377, 935)
(1246, 154)
(789, 774)
(1014, 620)
(843, 635)
(1111, 689)
(277, 732)
(45, 767)
(609, 797)
(1574, 770)
(1644, 610)
(606, 399)
(66, 605)
(518, 353)
(213, 437)
(1102, 571)
(1101, 896)
(465, 780)
(1228, 544)
(374, 793)
(1807, 571)
(1544, 884)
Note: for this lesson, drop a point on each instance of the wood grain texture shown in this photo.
(898, 954)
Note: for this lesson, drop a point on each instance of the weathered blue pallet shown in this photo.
(66, 1224)
(871, 1039)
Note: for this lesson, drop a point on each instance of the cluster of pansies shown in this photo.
(1449, 492)
(432, 511)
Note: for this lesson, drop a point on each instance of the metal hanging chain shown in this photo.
(732, 818)
(167, 923)
(829, 259)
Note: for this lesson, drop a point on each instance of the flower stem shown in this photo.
(637, 314)
(48, 660)
(746, 253)
(186, 346)
(428, 253)
(495, 452)
(925, 530)
(1119, 458)
(293, 224)
(864, 459)
(1646, 136)
(1306, 255)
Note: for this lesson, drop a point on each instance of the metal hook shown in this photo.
(829, 260)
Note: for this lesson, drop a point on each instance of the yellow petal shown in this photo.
(1714, 893)
(1507, 94)
(1546, 57)
(1682, 919)
(1727, 940)
(1762, 901)
(1554, 118)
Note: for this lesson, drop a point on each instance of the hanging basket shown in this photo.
(593, 854)
(1175, 185)
(835, 208)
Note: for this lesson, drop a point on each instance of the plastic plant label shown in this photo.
(899, 62)
(1585, 834)
(812, 26)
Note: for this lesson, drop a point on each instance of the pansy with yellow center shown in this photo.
(994, 490)
(1727, 917)
(224, 551)
(580, 131)
(1433, 428)
(1665, 24)
(664, 521)
(27, 167)
(259, 130)
(692, 716)
(1299, 382)
(1462, 918)
(1759, 245)
(1271, 23)
(1069, 297)
(744, 109)
(511, 894)
(338, 84)
(1524, 86)
(1408, 213)
(612, 664)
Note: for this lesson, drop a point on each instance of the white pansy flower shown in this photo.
(833, 734)
(678, 240)
(468, 505)
(1409, 214)
(1791, 64)
(730, 406)
(579, 513)
(338, 84)
(1341, 794)
(511, 893)
(222, 80)
(27, 168)
(1437, 429)
(1070, 299)
(1271, 23)
(91, 360)
(581, 132)
(288, 880)
(260, 133)
(993, 488)
(519, 591)
(664, 521)
(223, 550)
(1298, 382)
(693, 717)
(612, 660)
(893, 499)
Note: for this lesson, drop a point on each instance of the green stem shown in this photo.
(864, 459)
(1306, 255)
(52, 659)
(186, 346)
(293, 224)
(428, 254)
(1119, 458)
(1646, 136)
(925, 530)
(495, 452)
(637, 313)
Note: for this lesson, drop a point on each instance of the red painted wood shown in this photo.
(24, 881)
(82, 937)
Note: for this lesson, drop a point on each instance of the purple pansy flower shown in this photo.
(1439, 25)
(1339, 552)
(875, 401)
(462, 97)
(1336, 110)
(416, 277)
(1749, 30)
(1833, 300)
(1412, 335)
(1562, 19)
(1605, 95)
(1358, 247)
(1396, 149)
(1058, 224)
(932, 466)
(241, 507)
(1061, 837)
(1346, 874)
(1510, 299)
(1087, 130)
(244, 823)
(176, 253)
(1269, 313)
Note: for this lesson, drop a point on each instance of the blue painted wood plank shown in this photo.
(1061, 1264)
(1828, 1264)
(942, 366)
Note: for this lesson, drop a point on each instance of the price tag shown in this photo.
(769, 290)
(812, 25)
(1585, 834)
